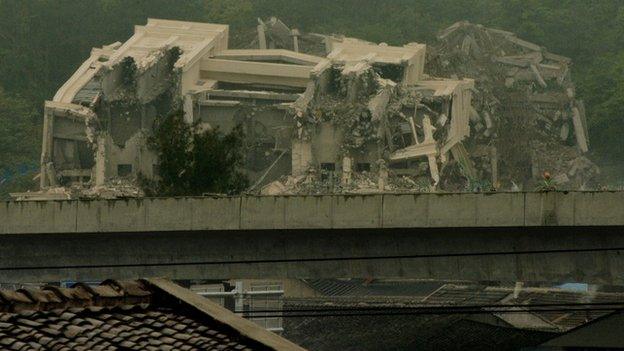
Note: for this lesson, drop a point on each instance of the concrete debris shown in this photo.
(112, 189)
(361, 183)
(524, 104)
(323, 113)
(49, 194)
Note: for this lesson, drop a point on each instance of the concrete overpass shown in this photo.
(555, 237)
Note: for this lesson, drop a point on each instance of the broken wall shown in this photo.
(106, 137)
(66, 150)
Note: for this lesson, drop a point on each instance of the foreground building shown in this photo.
(152, 314)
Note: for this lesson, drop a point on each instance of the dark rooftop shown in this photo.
(458, 331)
(150, 314)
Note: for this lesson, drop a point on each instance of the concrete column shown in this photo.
(188, 109)
(43, 176)
(100, 161)
(579, 131)
(428, 130)
(383, 174)
(347, 170)
(414, 134)
(239, 300)
(301, 156)
(51, 173)
(262, 37)
(47, 146)
(433, 168)
(494, 164)
(295, 34)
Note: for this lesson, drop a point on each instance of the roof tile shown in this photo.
(113, 315)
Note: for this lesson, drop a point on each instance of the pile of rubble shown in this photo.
(526, 118)
(360, 183)
(113, 189)
(525, 121)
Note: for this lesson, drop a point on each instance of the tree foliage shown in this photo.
(194, 161)
(19, 144)
(19, 134)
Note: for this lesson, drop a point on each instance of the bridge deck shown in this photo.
(315, 212)
(553, 237)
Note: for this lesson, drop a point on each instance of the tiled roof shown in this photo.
(453, 294)
(135, 315)
(409, 332)
(337, 287)
(572, 319)
(361, 287)
(355, 293)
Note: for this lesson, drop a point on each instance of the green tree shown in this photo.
(603, 87)
(19, 132)
(193, 161)
(19, 144)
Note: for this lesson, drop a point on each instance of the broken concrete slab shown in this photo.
(579, 130)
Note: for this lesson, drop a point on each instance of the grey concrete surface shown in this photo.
(553, 237)
(313, 212)
(529, 254)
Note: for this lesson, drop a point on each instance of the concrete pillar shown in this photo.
(494, 164)
(347, 170)
(383, 175)
(433, 168)
(295, 34)
(262, 37)
(329, 44)
(51, 173)
(43, 176)
(517, 289)
(579, 131)
(188, 109)
(428, 129)
(100, 161)
(414, 134)
(239, 301)
(301, 156)
(47, 146)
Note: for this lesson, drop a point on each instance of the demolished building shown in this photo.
(526, 118)
(321, 114)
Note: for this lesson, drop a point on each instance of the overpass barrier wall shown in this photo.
(315, 212)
